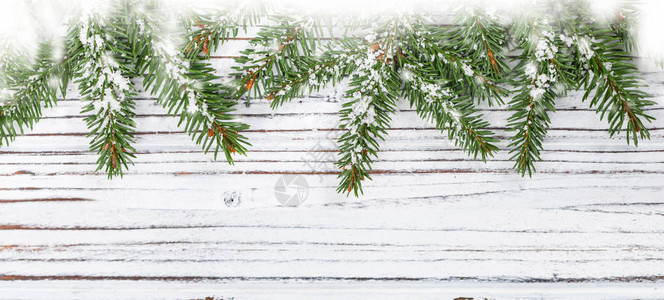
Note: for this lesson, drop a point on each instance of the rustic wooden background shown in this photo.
(433, 222)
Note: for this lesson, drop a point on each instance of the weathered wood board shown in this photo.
(433, 222)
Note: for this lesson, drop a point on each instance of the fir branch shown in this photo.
(374, 89)
(544, 75)
(395, 46)
(425, 44)
(443, 72)
(278, 51)
(435, 84)
(482, 38)
(208, 31)
(189, 90)
(454, 114)
(449, 112)
(103, 82)
(616, 87)
(623, 24)
(329, 68)
(606, 71)
(25, 86)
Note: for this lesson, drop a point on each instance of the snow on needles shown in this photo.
(111, 87)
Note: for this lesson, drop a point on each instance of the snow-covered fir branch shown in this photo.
(483, 37)
(176, 68)
(25, 86)
(109, 92)
(183, 84)
(108, 88)
(444, 71)
(603, 68)
(325, 68)
(542, 80)
(263, 62)
(617, 87)
(293, 45)
(478, 83)
(206, 31)
(366, 114)
(434, 101)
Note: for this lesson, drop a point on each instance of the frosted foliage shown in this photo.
(111, 87)
(583, 45)
(567, 40)
(546, 47)
(531, 70)
(542, 76)
(585, 49)
(608, 66)
(175, 67)
(191, 103)
(363, 111)
(468, 70)
(435, 94)
(541, 82)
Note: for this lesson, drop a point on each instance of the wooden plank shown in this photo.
(293, 289)
(433, 222)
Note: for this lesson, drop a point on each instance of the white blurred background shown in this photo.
(24, 22)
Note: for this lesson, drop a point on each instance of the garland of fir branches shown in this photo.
(442, 71)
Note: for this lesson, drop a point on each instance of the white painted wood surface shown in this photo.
(433, 222)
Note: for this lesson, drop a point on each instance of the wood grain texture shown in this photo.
(432, 222)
